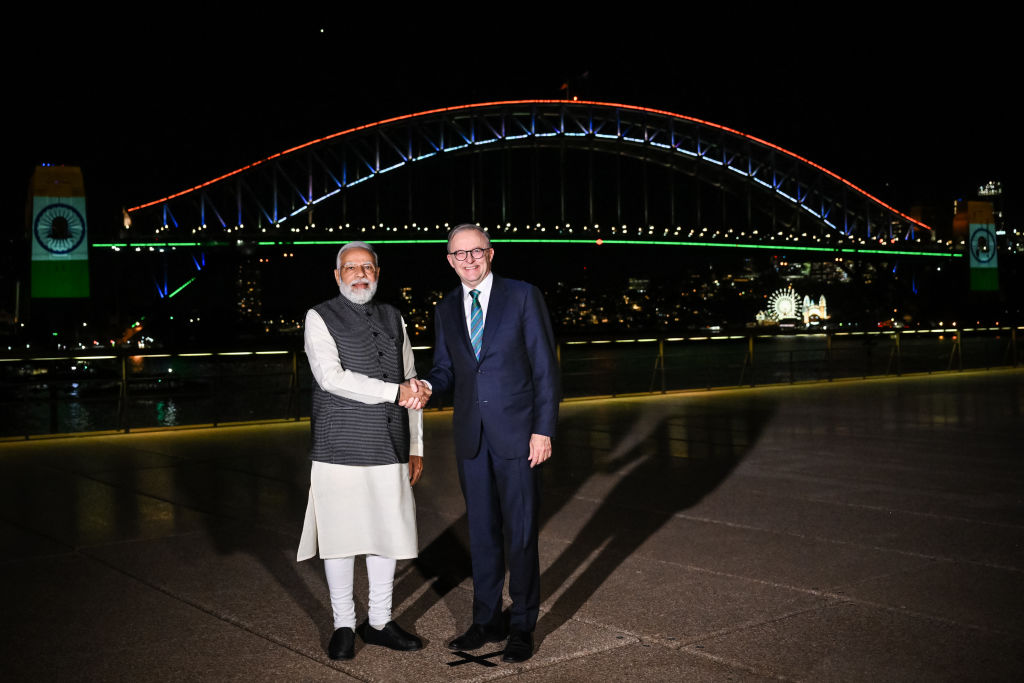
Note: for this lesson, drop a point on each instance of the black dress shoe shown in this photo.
(392, 636)
(343, 644)
(519, 647)
(476, 636)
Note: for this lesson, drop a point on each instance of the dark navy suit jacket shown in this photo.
(514, 389)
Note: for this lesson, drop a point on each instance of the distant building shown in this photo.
(814, 314)
(638, 284)
(786, 309)
(249, 300)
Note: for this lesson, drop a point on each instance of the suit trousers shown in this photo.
(502, 499)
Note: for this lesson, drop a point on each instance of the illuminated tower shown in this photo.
(248, 291)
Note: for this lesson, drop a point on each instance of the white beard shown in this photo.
(358, 296)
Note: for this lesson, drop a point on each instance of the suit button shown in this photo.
(385, 375)
(380, 353)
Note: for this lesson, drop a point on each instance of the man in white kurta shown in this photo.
(367, 449)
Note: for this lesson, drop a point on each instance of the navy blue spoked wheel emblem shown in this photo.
(59, 228)
(983, 245)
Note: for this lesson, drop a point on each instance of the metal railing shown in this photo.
(131, 390)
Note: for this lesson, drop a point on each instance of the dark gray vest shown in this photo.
(346, 432)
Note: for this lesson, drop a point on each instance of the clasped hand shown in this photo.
(413, 394)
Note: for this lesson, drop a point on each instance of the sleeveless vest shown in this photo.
(346, 432)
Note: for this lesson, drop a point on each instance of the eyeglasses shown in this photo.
(351, 268)
(477, 253)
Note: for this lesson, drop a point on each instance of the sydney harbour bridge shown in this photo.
(529, 171)
(590, 163)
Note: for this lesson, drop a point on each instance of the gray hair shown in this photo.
(356, 245)
(467, 226)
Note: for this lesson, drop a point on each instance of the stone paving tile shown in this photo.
(213, 488)
(73, 619)
(993, 501)
(657, 600)
(641, 662)
(794, 561)
(261, 589)
(85, 454)
(791, 560)
(78, 511)
(18, 544)
(726, 535)
(851, 642)
(986, 598)
(876, 527)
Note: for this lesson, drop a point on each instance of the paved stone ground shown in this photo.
(856, 531)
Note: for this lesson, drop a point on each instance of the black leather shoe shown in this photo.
(519, 647)
(476, 636)
(392, 636)
(343, 644)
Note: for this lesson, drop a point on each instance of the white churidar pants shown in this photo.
(381, 572)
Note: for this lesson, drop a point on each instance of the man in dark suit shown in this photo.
(496, 352)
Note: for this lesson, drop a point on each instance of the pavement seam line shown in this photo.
(865, 546)
(205, 610)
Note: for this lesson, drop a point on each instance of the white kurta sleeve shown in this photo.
(415, 416)
(322, 353)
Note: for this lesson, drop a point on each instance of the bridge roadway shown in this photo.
(854, 531)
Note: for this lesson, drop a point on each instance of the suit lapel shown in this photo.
(457, 318)
(495, 312)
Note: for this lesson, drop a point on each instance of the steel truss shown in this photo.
(284, 189)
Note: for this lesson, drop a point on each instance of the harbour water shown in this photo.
(141, 390)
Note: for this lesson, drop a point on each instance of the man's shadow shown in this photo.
(668, 457)
(667, 461)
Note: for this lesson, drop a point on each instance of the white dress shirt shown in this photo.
(485, 298)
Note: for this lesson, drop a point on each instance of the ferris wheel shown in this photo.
(783, 304)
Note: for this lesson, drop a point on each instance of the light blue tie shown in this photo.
(476, 322)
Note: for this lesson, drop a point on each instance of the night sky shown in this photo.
(915, 109)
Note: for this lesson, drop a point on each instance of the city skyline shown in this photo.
(904, 115)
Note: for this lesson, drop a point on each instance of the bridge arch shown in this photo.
(291, 191)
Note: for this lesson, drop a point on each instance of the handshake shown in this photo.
(413, 394)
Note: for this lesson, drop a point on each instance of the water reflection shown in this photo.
(40, 396)
(167, 413)
(79, 419)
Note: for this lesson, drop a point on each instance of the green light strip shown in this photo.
(382, 241)
(171, 295)
(775, 247)
(594, 241)
(141, 245)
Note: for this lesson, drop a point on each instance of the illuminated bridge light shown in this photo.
(651, 128)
